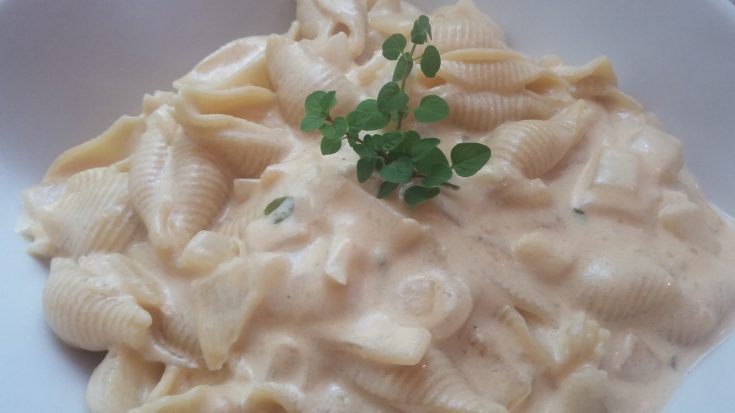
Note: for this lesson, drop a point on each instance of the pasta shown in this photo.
(226, 265)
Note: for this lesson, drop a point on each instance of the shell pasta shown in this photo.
(226, 265)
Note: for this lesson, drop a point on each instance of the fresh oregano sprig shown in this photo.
(400, 157)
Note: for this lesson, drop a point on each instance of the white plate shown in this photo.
(69, 68)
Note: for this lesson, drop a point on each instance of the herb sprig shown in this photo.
(400, 157)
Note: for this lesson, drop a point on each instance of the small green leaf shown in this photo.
(365, 168)
(440, 173)
(367, 117)
(421, 29)
(423, 148)
(330, 145)
(362, 150)
(391, 99)
(399, 171)
(432, 108)
(311, 122)
(328, 101)
(333, 131)
(340, 126)
(404, 65)
(410, 138)
(426, 164)
(430, 61)
(391, 141)
(418, 194)
(468, 158)
(386, 188)
(280, 208)
(313, 103)
(393, 46)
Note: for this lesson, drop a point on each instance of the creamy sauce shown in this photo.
(579, 271)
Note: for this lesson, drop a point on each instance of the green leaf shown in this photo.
(328, 101)
(423, 148)
(432, 108)
(410, 138)
(440, 173)
(361, 150)
(365, 168)
(468, 158)
(386, 188)
(393, 46)
(421, 29)
(426, 164)
(367, 116)
(313, 103)
(335, 130)
(280, 208)
(391, 141)
(418, 194)
(404, 65)
(312, 122)
(330, 145)
(430, 61)
(398, 171)
(391, 99)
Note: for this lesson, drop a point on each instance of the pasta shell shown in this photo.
(238, 63)
(135, 279)
(177, 332)
(113, 145)
(93, 214)
(581, 341)
(544, 254)
(497, 70)
(621, 288)
(338, 398)
(245, 148)
(292, 87)
(483, 111)
(433, 385)
(121, 382)
(630, 358)
(206, 251)
(434, 300)
(594, 79)
(176, 186)
(464, 26)
(534, 147)
(324, 18)
(92, 312)
(244, 102)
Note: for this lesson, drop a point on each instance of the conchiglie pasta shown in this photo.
(464, 26)
(323, 18)
(238, 63)
(121, 382)
(499, 70)
(176, 186)
(292, 86)
(92, 311)
(484, 111)
(94, 213)
(434, 386)
(534, 147)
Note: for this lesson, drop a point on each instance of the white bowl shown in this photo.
(69, 68)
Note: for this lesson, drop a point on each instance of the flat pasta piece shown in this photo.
(581, 341)
(686, 220)
(621, 287)
(113, 145)
(584, 391)
(484, 111)
(534, 147)
(238, 63)
(324, 18)
(660, 153)
(206, 251)
(464, 26)
(227, 299)
(544, 254)
(376, 337)
(177, 187)
(434, 385)
(293, 86)
(629, 357)
(92, 311)
(121, 382)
